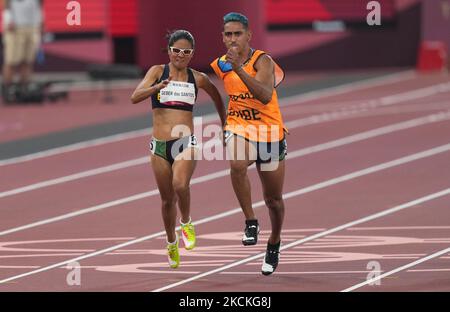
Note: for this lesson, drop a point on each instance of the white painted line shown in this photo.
(312, 237)
(301, 122)
(76, 146)
(218, 174)
(430, 270)
(349, 87)
(292, 272)
(95, 142)
(370, 104)
(396, 110)
(76, 176)
(416, 94)
(408, 228)
(399, 269)
(105, 169)
(212, 117)
(109, 204)
(353, 175)
(441, 116)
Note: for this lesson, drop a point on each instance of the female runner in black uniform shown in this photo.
(173, 90)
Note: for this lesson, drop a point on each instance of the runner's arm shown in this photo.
(145, 89)
(261, 86)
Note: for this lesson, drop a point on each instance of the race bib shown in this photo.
(178, 92)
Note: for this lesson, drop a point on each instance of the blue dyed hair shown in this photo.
(236, 17)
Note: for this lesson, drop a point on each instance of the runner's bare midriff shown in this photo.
(166, 123)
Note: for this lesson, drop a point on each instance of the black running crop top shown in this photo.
(177, 94)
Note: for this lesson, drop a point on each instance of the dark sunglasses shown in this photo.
(185, 52)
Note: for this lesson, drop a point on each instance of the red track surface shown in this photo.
(332, 262)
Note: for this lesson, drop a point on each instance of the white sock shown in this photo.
(187, 222)
(176, 240)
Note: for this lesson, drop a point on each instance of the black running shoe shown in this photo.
(250, 233)
(271, 259)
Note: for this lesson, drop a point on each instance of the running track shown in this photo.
(366, 192)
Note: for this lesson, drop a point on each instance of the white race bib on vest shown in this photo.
(176, 91)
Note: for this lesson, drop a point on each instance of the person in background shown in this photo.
(23, 24)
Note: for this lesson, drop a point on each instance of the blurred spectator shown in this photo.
(22, 28)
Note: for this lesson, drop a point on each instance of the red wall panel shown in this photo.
(307, 11)
(93, 16)
(119, 17)
(123, 17)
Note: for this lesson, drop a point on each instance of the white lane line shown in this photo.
(371, 104)
(298, 153)
(109, 204)
(347, 177)
(416, 94)
(407, 228)
(286, 273)
(122, 165)
(399, 269)
(349, 87)
(76, 176)
(388, 112)
(430, 270)
(404, 75)
(96, 142)
(441, 116)
(76, 146)
(301, 122)
(312, 237)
